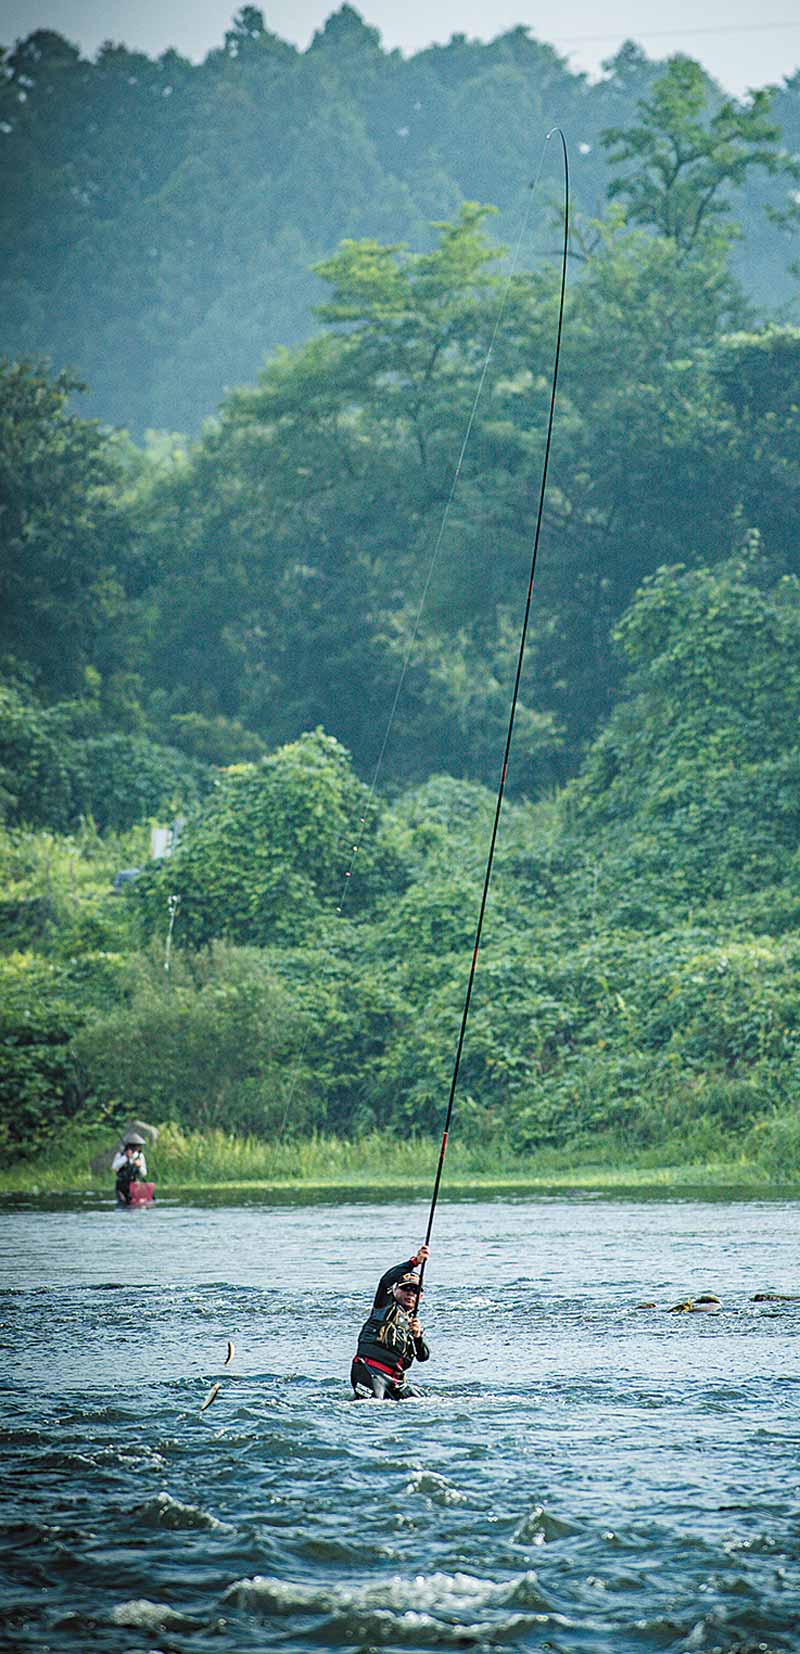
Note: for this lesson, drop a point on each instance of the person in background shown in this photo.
(130, 1167)
(391, 1337)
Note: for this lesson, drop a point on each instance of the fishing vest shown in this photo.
(128, 1173)
(387, 1337)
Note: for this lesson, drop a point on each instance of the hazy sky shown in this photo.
(740, 44)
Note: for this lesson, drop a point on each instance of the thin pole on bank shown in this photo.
(515, 696)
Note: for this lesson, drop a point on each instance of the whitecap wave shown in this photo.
(165, 1512)
(457, 1595)
(435, 1488)
(143, 1615)
(540, 1528)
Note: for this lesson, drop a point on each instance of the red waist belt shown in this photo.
(394, 1372)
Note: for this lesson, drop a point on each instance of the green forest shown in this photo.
(161, 220)
(284, 616)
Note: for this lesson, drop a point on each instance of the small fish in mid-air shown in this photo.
(230, 1354)
(212, 1396)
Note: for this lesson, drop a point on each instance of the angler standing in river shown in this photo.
(129, 1165)
(391, 1337)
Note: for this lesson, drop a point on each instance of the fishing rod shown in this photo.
(214, 1392)
(512, 714)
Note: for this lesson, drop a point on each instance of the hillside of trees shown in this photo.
(216, 627)
(638, 981)
(161, 220)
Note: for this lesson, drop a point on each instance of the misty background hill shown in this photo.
(160, 219)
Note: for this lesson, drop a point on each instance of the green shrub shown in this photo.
(269, 856)
(42, 1005)
(57, 891)
(37, 780)
(53, 774)
(120, 780)
(208, 1045)
(775, 1144)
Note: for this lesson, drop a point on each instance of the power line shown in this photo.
(673, 34)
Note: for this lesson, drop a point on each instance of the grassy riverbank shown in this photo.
(213, 1160)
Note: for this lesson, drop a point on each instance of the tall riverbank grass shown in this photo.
(214, 1160)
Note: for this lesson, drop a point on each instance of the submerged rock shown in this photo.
(695, 1306)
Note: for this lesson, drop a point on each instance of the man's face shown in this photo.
(408, 1295)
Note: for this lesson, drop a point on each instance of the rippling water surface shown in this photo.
(580, 1475)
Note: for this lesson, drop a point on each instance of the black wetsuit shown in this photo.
(386, 1344)
(127, 1174)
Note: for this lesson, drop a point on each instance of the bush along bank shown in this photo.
(381, 1163)
(638, 979)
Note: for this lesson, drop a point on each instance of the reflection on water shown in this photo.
(249, 1194)
(580, 1474)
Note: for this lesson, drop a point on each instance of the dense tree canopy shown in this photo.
(270, 576)
(638, 973)
(160, 219)
(298, 628)
(63, 540)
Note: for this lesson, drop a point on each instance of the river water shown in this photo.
(580, 1474)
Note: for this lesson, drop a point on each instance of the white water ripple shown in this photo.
(580, 1475)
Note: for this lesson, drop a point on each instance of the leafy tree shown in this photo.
(64, 540)
(36, 777)
(757, 440)
(683, 161)
(59, 767)
(297, 541)
(42, 1005)
(272, 852)
(160, 218)
(697, 770)
(215, 1046)
(412, 319)
(124, 779)
(220, 741)
(648, 465)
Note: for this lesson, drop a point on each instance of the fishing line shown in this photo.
(360, 833)
(214, 1392)
(515, 696)
(363, 820)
